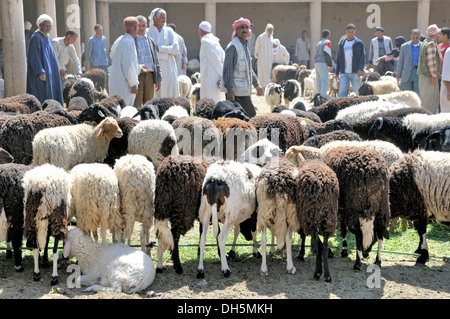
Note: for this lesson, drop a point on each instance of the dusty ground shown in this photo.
(399, 279)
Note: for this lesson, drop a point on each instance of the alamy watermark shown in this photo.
(374, 279)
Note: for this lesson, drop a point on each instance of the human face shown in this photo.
(71, 39)
(133, 31)
(142, 27)
(443, 37)
(159, 22)
(350, 33)
(99, 31)
(46, 26)
(415, 38)
(242, 32)
(270, 31)
(379, 34)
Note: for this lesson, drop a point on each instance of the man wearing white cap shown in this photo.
(211, 62)
(429, 70)
(43, 78)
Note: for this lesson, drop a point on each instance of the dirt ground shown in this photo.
(399, 278)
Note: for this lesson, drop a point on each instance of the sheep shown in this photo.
(173, 113)
(54, 107)
(299, 113)
(154, 139)
(401, 130)
(198, 136)
(178, 189)
(229, 109)
(282, 73)
(17, 133)
(276, 192)
(195, 95)
(128, 111)
(228, 195)
(363, 197)
(98, 77)
(147, 112)
(23, 103)
(67, 146)
(370, 76)
(322, 139)
(163, 104)
(409, 98)
(113, 104)
(299, 104)
(82, 88)
(333, 86)
(308, 89)
(325, 127)
(419, 191)
(115, 267)
(183, 102)
(195, 78)
(329, 109)
(204, 108)
(261, 152)
(434, 139)
(118, 147)
(136, 178)
(5, 157)
(46, 204)
(95, 200)
(378, 87)
(237, 136)
(12, 208)
(291, 90)
(281, 129)
(184, 85)
(77, 103)
(272, 94)
(317, 208)
(365, 110)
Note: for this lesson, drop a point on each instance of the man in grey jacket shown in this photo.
(408, 62)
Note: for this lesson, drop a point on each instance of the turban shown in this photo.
(43, 18)
(277, 48)
(239, 22)
(205, 26)
(433, 30)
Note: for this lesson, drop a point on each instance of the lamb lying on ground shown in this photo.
(117, 267)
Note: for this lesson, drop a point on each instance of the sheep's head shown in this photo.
(92, 113)
(75, 242)
(300, 153)
(365, 89)
(110, 128)
(376, 127)
(5, 157)
(261, 152)
(439, 140)
(239, 114)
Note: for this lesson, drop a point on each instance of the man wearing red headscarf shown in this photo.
(238, 75)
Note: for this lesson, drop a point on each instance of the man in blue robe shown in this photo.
(43, 79)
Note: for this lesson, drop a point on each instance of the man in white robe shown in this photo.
(123, 79)
(280, 53)
(211, 62)
(167, 48)
(264, 54)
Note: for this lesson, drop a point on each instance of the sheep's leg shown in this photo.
(359, 247)
(290, 265)
(380, 247)
(175, 252)
(318, 251)
(422, 250)
(264, 270)
(326, 274)
(55, 278)
(255, 245)
(344, 253)
(159, 264)
(272, 247)
(145, 238)
(45, 263)
(221, 239)
(232, 252)
(16, 240)
(200, 268)
(301, 255)
(37, 273)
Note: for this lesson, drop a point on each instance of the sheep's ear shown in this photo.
(434, 135)
(379, 122)
(67, 247)
(300, 158)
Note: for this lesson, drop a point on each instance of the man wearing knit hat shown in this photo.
(238, 75)
(211, 62)
(379, 46)
(429, 70)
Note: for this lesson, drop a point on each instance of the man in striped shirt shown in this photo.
(429, 70)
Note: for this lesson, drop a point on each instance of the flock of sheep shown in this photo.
(358, 162)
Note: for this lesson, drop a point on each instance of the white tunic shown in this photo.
(65, 53)
(165, 40)
(211, 66)
(282, 56)
(264, 54)
(124, 69)
(445, 103)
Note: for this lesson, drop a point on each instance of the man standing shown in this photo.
(445, 88)
(167, 48)
(150, 76)
(238, 75)
(350, 61)
(429, 70)
(181, 57)
(264, 55)
(125, 69)
(323, 61)
(444, 39)
(43, 79)
(379, 46)
(96, 54)
(302, 49)
(65, 52)
(408, 62)
(211, 62)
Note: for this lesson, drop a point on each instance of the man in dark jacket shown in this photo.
(350, 61)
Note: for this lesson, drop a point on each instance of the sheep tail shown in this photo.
(215, 220)
(164, 234)
(3, 223)
(367, 231)
(314, 242)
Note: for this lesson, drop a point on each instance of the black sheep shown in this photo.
(291, 90)
(148, 112)
(178, 193)
(433, 139)
(229, 109)
(22, 103)
(204, 107)
(118, 147)
(98, 77)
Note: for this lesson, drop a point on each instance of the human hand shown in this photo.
(134, 89)
(230, 96)
(360, 73)
(62, 73)
(259, 91)
(434, 80)
(157, 87)
(42, 77)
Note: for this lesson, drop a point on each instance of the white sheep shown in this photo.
(174, 112)
(409, 98)
(229, 196)
(129, 111)
(273, 94)
(67, 146)
(155, 139)
(365, 110)
(260, 152)
(378, 87)
(184, 85)
(46, 201)
(95, 200)
(136, 178)
(114, 267)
